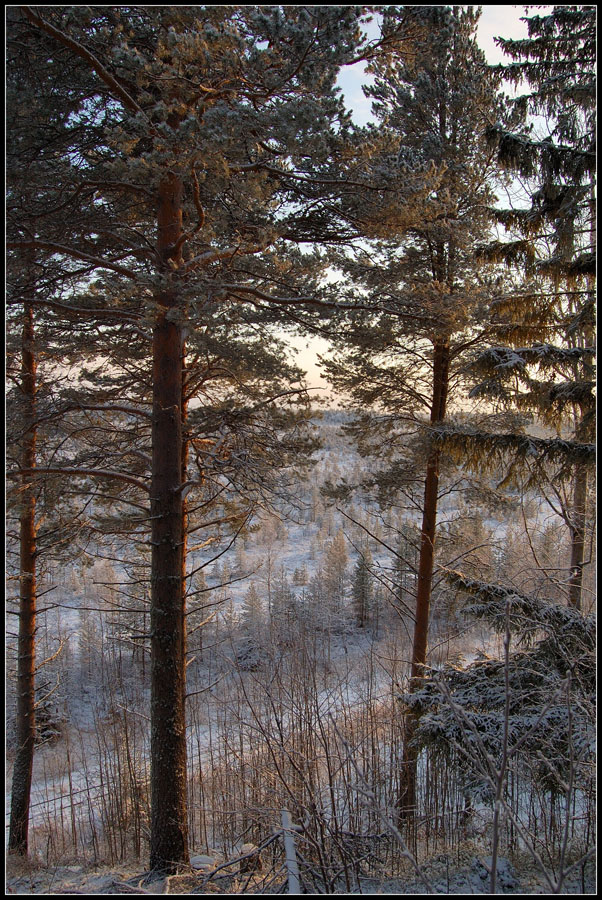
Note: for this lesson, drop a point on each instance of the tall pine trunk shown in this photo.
(169, 825)
(23, 766)
(407, 795)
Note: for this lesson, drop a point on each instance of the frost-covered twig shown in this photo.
(501, 772)
(568, 788)
(364, 789)
(238, 859)
(488, 769)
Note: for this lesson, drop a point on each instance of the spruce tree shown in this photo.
(529, 715)
(543, 359)
(542, 363)
(335, 574)
(252, 612)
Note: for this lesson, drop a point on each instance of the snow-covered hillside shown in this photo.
(299, 647)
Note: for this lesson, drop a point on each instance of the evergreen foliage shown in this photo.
(551, 683)
(423, 289)
(185, 188)
(194, 126)
(363, 589)
(546, 367)
(424, 292)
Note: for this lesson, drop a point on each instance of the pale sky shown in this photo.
(495, 21)
(501, 21)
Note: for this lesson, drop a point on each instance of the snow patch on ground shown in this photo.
(463, 873)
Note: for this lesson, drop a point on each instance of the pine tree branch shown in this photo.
(69, 470)
(72, 252)
(118, 90)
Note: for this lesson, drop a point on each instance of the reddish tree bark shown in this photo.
(169, 817)
(407, 797)
(26, 727)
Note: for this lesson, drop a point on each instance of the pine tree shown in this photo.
(424, 292)
(33, 276)
(200, 126)
(26, 660)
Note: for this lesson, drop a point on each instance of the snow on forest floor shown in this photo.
(461, 872)
(295, 546)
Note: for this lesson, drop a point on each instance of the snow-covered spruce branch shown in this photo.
(525, 446)
(525, 610)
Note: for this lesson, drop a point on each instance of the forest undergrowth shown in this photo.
(291, 707)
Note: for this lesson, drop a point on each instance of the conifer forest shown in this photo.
(267, 635)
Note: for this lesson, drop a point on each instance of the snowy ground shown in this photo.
(297, 546)
(464, 872)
